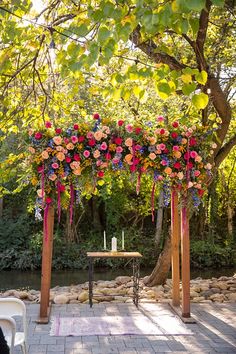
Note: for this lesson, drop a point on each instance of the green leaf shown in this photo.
(200, 100)
(201, 77)
(108, 9)
(163, 90)
(194, 23)
(196, 5)
(82, 30)
(103, 34)
(218, 2)
(187, 89)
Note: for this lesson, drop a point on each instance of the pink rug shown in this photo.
(113, 325)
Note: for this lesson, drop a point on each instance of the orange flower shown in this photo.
(168, 170)
(45, 155)
(60, 156)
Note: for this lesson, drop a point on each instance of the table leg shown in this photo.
(135, 281)
(90, 282)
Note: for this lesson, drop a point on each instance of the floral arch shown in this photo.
(62, 161)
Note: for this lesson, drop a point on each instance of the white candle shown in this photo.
(114, 244)
(123, 240)
(104, 240)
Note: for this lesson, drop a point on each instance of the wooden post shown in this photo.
(185, 260)
(46, 265)
(175, 238)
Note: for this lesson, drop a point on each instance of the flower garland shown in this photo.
(175, 155)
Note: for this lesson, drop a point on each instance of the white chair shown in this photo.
(11, 307)
(8, 326)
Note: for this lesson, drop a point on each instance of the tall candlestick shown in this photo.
(114, 244)
(104, 240)
(123, 240)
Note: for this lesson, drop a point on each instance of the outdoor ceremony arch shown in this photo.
(62, 162)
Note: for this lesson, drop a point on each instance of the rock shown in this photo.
(223, 286)
(193, 294)
(74, 302)
(23, 295)
(223, 278)
(196, 288)
(231, 297)
(73, 297)
(61, 299)
(198, 299)
(217, 297)
(158, 288)
(83, 296)
(159, 295)
(122, 279)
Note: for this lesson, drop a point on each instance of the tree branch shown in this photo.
(203, 25)
(151, 50)
(224, 151)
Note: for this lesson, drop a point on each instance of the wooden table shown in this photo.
(134, 256)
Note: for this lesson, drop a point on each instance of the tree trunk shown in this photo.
(159, 219)
(162, 267)
(1, 207)
(230, 220)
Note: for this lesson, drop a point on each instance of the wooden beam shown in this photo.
(175, 238)
(46, 265)
(185, 259)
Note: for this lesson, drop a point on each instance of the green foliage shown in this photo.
(206, 254)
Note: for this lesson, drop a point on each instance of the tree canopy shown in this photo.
(119, 57)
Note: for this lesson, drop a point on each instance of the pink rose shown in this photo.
(197, 173)
(160, 119)
(92, 142)
(162, 146)
(119, 149)
(76, 157)
(81, 139)
(108, 156)
(55, 165)
(163, 162)
(66, 140)
(74, 139)
(89, 135)
(68, 159)
(103, 146)
(193, 154)
(175, 148)
(86, 153)
(129, 128)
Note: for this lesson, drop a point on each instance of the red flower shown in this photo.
(118, 141)
(76, 127)
(138, 130)
(58, 130)
(108, 156)
(200, 192)
(81, 139)
(177, 165)
(68, 159)
(40, 169)
(175, 124)
(162, 131)
(96, 116)
(38, 135)
(132, 168)
(192, 141)
(92, 142)
(189, 165)
(100, 174)
(66, 140)
(62, 188)
(48, 124)
(166, 151)
(48, 200)
(76, 157)
(174, 135)
(187, 155)
(120, 123)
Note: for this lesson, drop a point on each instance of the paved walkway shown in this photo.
(214, 331)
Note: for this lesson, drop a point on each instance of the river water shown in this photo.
(31, 279)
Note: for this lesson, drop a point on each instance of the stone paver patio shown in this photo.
(213, 332)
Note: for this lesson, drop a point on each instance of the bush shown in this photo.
(205, 254)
